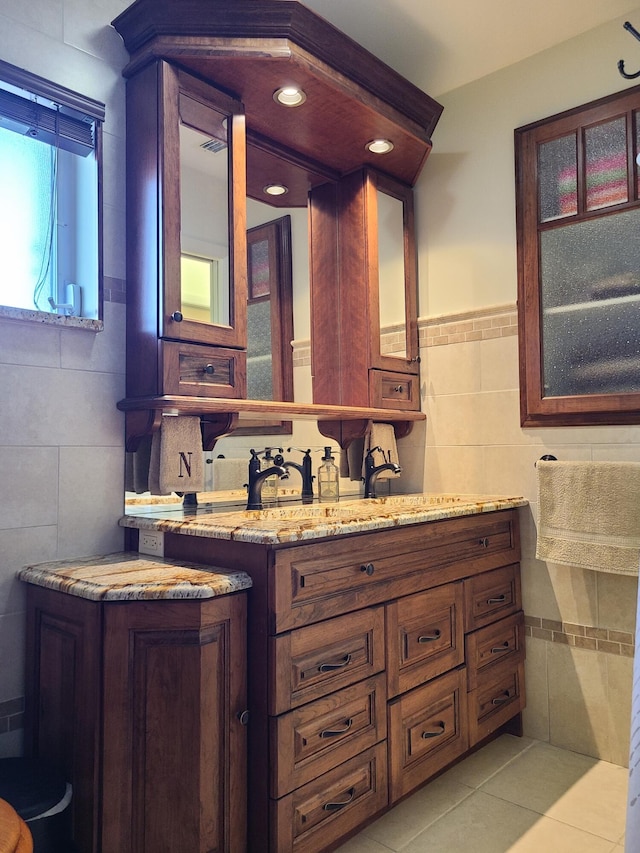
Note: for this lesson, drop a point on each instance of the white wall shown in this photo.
(61, 436)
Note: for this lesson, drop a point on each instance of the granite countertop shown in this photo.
(130, 576)
(300, 523)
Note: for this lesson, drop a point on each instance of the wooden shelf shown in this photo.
(221, 415)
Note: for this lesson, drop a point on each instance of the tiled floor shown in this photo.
(516, 795)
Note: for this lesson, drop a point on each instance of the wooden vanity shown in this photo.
(377, 656)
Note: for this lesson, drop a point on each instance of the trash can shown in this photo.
(42, 798)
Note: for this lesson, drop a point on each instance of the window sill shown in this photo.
(46, 319)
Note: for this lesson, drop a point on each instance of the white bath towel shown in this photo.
(589, 515)
(177, 461)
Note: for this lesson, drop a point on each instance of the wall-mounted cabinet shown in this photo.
(364, 293)
(214, 69)
(578, 213)
(186, 253)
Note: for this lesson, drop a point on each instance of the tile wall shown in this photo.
(61, 436)
(580, 624)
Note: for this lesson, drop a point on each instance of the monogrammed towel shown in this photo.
(177, 462)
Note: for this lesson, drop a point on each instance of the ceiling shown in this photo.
(442, 44)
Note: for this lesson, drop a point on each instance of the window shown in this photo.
(578, 218)
(50, 211)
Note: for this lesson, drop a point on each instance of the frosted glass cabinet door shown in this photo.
(578, 217)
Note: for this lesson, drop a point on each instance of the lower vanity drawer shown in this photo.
(427, 731)
(495, 700)
(426, 636)
(311, 662)
(313, 817)
(491, 596)
(311, 740)
(489, 647)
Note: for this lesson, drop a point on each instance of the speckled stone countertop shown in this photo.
(300, 523)
(130, 576)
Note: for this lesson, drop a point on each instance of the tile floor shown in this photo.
(516, 795)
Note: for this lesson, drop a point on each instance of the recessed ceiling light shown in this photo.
(289, 96)
(379, 146)
(275, 189)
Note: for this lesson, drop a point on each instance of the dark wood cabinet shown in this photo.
(578, 213)
(375, 661)
(355, 361)
(182, 343)
(139, 701)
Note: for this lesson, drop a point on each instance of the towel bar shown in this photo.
(546, 458)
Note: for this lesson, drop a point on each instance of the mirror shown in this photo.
(391, 271)
(204, 226)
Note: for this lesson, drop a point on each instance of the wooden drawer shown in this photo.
(489, 647)
(319, 659)
(425, 636)
(194, 370)
(313, 817)
(427, 731)
(389, 390)
(309, 741)
(316, 581)
(491, 596)
(499, 696)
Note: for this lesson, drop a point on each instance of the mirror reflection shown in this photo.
(391, 274)
(204, 225)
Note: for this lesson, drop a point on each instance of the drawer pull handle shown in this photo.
(336, 732)
(177, 317)
(368, 568)
(498, 599)
(505, 647)
(334, 807)
(429, 638)
(504, 697)
(329, 667)
(440, 730)
(484, 542)
(209, 368)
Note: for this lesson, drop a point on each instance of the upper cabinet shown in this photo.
(578, 214)
(364, 293)
(186, 251)
(212, 79)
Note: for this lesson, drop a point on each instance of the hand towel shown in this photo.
(177, 460)
(589, 515)
(383, 436)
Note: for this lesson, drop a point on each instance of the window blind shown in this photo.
(48, 124)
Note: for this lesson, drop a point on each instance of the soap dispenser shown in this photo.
(328, 479)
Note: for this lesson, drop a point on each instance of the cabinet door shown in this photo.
(578, 214)
(187, 280)
(175, 756)
(64, 697)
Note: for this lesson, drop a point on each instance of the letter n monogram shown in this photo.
(185, 463)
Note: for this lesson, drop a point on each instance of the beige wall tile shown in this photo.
(535, 717)
(578, 700)
(617, 596)
(453, 369)
(575, 592)
(619, 684)
(499, 364)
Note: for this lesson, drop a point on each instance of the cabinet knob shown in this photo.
(177, 317)
(243, 718)
(484, 542)
(398, 389)
(209, 368)
(367, 568)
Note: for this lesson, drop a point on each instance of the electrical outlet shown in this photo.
(151, 542)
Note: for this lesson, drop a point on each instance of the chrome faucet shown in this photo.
(257, 476)
(304, 470)
(371, 471)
